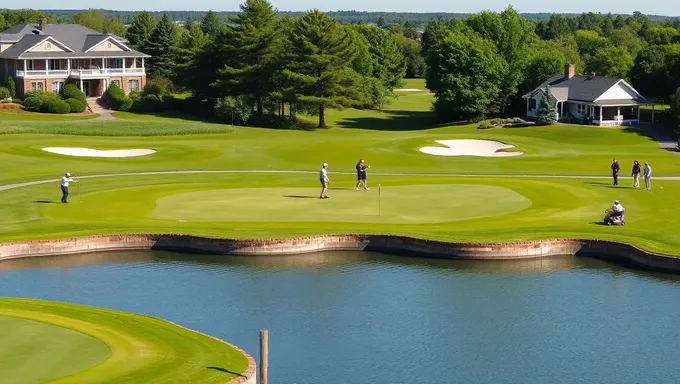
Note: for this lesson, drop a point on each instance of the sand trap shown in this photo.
(89, 152)
(408, 90)
(486, 148)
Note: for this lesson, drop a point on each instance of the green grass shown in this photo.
(65, 343)
(252, 204)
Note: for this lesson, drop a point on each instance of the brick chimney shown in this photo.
(43, 21)
(569, 71)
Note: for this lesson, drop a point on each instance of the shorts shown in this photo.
(322, 181)
(361, 176)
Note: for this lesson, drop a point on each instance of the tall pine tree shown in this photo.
(319, 72)
(162, 48)
(191, 43)
(140, 30)
(211, 24)
(254, 41)
(547, 109)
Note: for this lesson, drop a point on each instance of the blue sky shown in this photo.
(659, 7)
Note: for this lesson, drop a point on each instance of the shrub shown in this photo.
(234, 109)
(158, 86)
(11, 86)
(485, 125)
(72, 92)
(118, 100)
(148, 103)
(4, 93)
(57, 106)
(33, 103)
(135, 95)
(77, 106)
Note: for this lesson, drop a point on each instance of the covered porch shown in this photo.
(603, 113)
(93, 87)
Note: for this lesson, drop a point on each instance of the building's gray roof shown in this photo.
(74, 36)
(579, 88)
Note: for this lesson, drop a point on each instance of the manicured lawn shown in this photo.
(66, 343)
(423, 195)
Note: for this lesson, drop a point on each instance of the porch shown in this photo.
(80, 68)
(605, 113)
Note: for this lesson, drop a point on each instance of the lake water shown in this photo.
(346, 317)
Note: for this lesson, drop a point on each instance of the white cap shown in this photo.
(325, 164)
(68, 174)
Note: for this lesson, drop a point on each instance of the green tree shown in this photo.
(589, 43)
(410, 49)
(434, 32)
(90, 18)
(627, 38)
(140, 30)
(465, 74)
(114, 26)
(513, 37)
(3, 26)
(547, 109)
(675, 109)
(656, 72)
(661, 35)
(319, 70)
(546, 61)
(211, 24)
(557, 26)
(611, 62)
(191, 43)
(162, 43)
(254, 41)
(11, 86)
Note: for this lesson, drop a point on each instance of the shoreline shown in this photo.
(620, 253)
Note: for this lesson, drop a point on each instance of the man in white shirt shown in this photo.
(323, 179)
(616, 210)
(648, 176)
(65, 181)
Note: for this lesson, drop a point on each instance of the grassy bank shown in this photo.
(66, 343)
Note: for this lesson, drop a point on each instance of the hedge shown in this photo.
(33, 103)
(57, 106)
(4, 93)
(76, 105)
(72, 92)
(119, 101)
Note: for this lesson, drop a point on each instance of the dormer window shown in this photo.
(48, 46)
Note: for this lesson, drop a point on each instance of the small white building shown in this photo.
(590, 99)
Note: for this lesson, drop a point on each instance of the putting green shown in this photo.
(398, 204)
(66, 343)
(58, 351)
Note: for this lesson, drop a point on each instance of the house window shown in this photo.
(57, 87)
(36, 86)
(133, 85)
(581, 109)
(114, 63)
(30, 65)
(54, 64)
(532, 104)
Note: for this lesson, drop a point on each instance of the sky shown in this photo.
(656, 7)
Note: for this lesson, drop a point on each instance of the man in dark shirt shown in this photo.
(615, 171)
(361, 174)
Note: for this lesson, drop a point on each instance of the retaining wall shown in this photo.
(616, 252)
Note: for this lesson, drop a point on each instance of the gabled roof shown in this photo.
(76, 37)
(580, 88)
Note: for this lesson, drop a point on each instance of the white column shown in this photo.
(124, 64)
(25, 68)
(145, 71)
(527, 99)
(600, 115)
(562, 109)
(68, 66)
(47, 67)
(618, 113)
(81, 86)
(104, 64)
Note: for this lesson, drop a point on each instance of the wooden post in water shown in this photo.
(264, 355)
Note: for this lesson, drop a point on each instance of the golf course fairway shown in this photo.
(43, 341)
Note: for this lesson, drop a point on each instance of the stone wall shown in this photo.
(612, 251)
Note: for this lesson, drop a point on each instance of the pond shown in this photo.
(342, 317)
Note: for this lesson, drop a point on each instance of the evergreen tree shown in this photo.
(211, 24)
(140, 30)
(162, 48)
(11, 86)
(253, 42)
(547, 109)
(191, 43)
(319, 70)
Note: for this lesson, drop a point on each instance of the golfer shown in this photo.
(615, 171)
(636, 174)
(323, 178)
(65, 181)
(361, 175)
(648, 176)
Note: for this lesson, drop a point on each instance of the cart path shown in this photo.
(374, 174)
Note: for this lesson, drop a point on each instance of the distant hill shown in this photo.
(341, 16)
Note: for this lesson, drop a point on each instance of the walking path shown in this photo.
(99, 106)
(667, 140)
(30, 183)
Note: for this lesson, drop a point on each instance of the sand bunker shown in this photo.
(408, 90)
(89, 152)
(486, 148)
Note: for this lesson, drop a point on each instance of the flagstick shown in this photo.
(379, 196)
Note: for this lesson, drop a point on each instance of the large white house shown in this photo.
(588, 99)
(47, 56)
